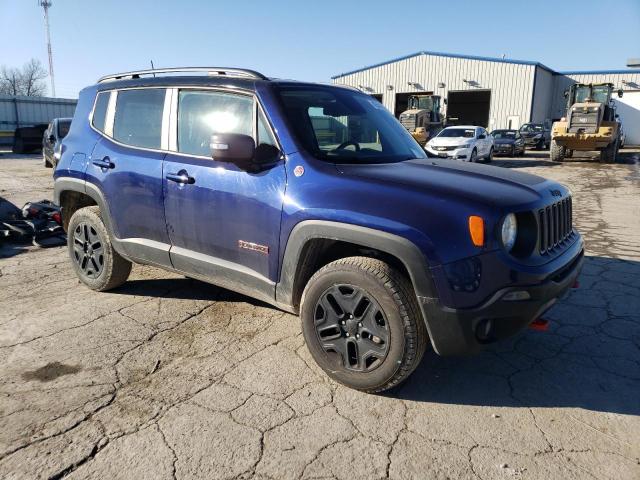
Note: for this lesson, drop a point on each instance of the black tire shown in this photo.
(557, 153)
(540, 144)
(47, 163)
(608, 154)
(489, 158)
(93, 258)
(18, 146)
(390, 309)
(522, 152)
(474, 156)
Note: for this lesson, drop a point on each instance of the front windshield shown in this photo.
(458, 133)
(504, 134)
(582, 94)
(344, 126)
(532, 127)
(600, 94)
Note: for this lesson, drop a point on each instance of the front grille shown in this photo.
(555, 225)
(446, 149)
(408, 121)
(586, 122)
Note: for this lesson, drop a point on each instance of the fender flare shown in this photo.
(404, 250)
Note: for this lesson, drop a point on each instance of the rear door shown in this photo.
(126, 165)
(225, 222)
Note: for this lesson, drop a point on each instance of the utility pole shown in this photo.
(45, 4)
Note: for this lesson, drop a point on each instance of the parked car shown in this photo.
(507, 142)
(536, 135)
(226, 178)
(52, 141)
(462, 142)
(28, 139)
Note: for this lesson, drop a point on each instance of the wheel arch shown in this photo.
(72, 194)
(314, 243)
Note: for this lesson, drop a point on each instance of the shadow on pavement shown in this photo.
(184, 289)
(590, 357)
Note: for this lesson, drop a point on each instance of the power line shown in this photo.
(45, 4)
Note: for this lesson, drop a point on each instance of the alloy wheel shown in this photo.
(351, 326)
(88, 250)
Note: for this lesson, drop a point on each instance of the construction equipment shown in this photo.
(590, 123)
(422, 119)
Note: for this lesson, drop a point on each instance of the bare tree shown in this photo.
(27, 81)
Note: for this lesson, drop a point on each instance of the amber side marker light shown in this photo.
(476, 230)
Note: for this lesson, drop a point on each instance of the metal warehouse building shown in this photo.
(491, 92)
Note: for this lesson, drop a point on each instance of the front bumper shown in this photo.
(457, 154)
(504, 149)
(466, 330)
(530, 142)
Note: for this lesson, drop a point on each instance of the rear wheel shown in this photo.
(93, 258)
(608, 154)
(557, 152)
(362, 324)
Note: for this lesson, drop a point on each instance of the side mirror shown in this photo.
(234, 148)
(566, 93)
(52, 139)
(620, 92)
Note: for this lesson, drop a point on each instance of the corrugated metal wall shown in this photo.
(511, 84)
(562, 82)
(31, 110)
(543, 96)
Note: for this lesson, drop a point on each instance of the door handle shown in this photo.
(104, 163)
(181, 177)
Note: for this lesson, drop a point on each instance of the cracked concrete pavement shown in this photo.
(168, 377)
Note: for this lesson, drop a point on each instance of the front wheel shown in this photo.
(93, 258)
(474, 156)
(557, 152)
(362, 324)
(608, 154)
(489, 157)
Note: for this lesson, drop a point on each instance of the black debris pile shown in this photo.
(37, 222)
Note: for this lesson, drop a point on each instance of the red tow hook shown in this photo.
(576, 284)
(539, 324)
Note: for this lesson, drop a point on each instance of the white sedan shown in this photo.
(462, 142)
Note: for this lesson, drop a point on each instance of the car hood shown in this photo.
(451, 179)
(449, 141)
(504, 141)
(531, 134)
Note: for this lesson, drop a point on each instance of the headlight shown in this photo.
(538, 136)
(509, 231)
(465, 145)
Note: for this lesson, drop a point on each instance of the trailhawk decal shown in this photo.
(264, 249)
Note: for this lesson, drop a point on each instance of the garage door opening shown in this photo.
(468, 107)
(402, 101)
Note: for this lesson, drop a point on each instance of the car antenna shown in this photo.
(153, 68)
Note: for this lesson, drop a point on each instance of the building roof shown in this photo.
(485, 59)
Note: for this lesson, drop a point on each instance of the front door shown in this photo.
(223, 222)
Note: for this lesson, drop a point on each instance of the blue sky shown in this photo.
(311, 40)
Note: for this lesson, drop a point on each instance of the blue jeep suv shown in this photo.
(312, 198)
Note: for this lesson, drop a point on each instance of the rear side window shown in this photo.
(138, 118)
(100, 111)
(201, 114)
(63, 128)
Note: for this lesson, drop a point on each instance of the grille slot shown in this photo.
(555, 225)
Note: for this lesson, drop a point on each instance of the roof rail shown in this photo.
(232, 72)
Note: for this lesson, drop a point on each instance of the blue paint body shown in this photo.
(425, 201)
